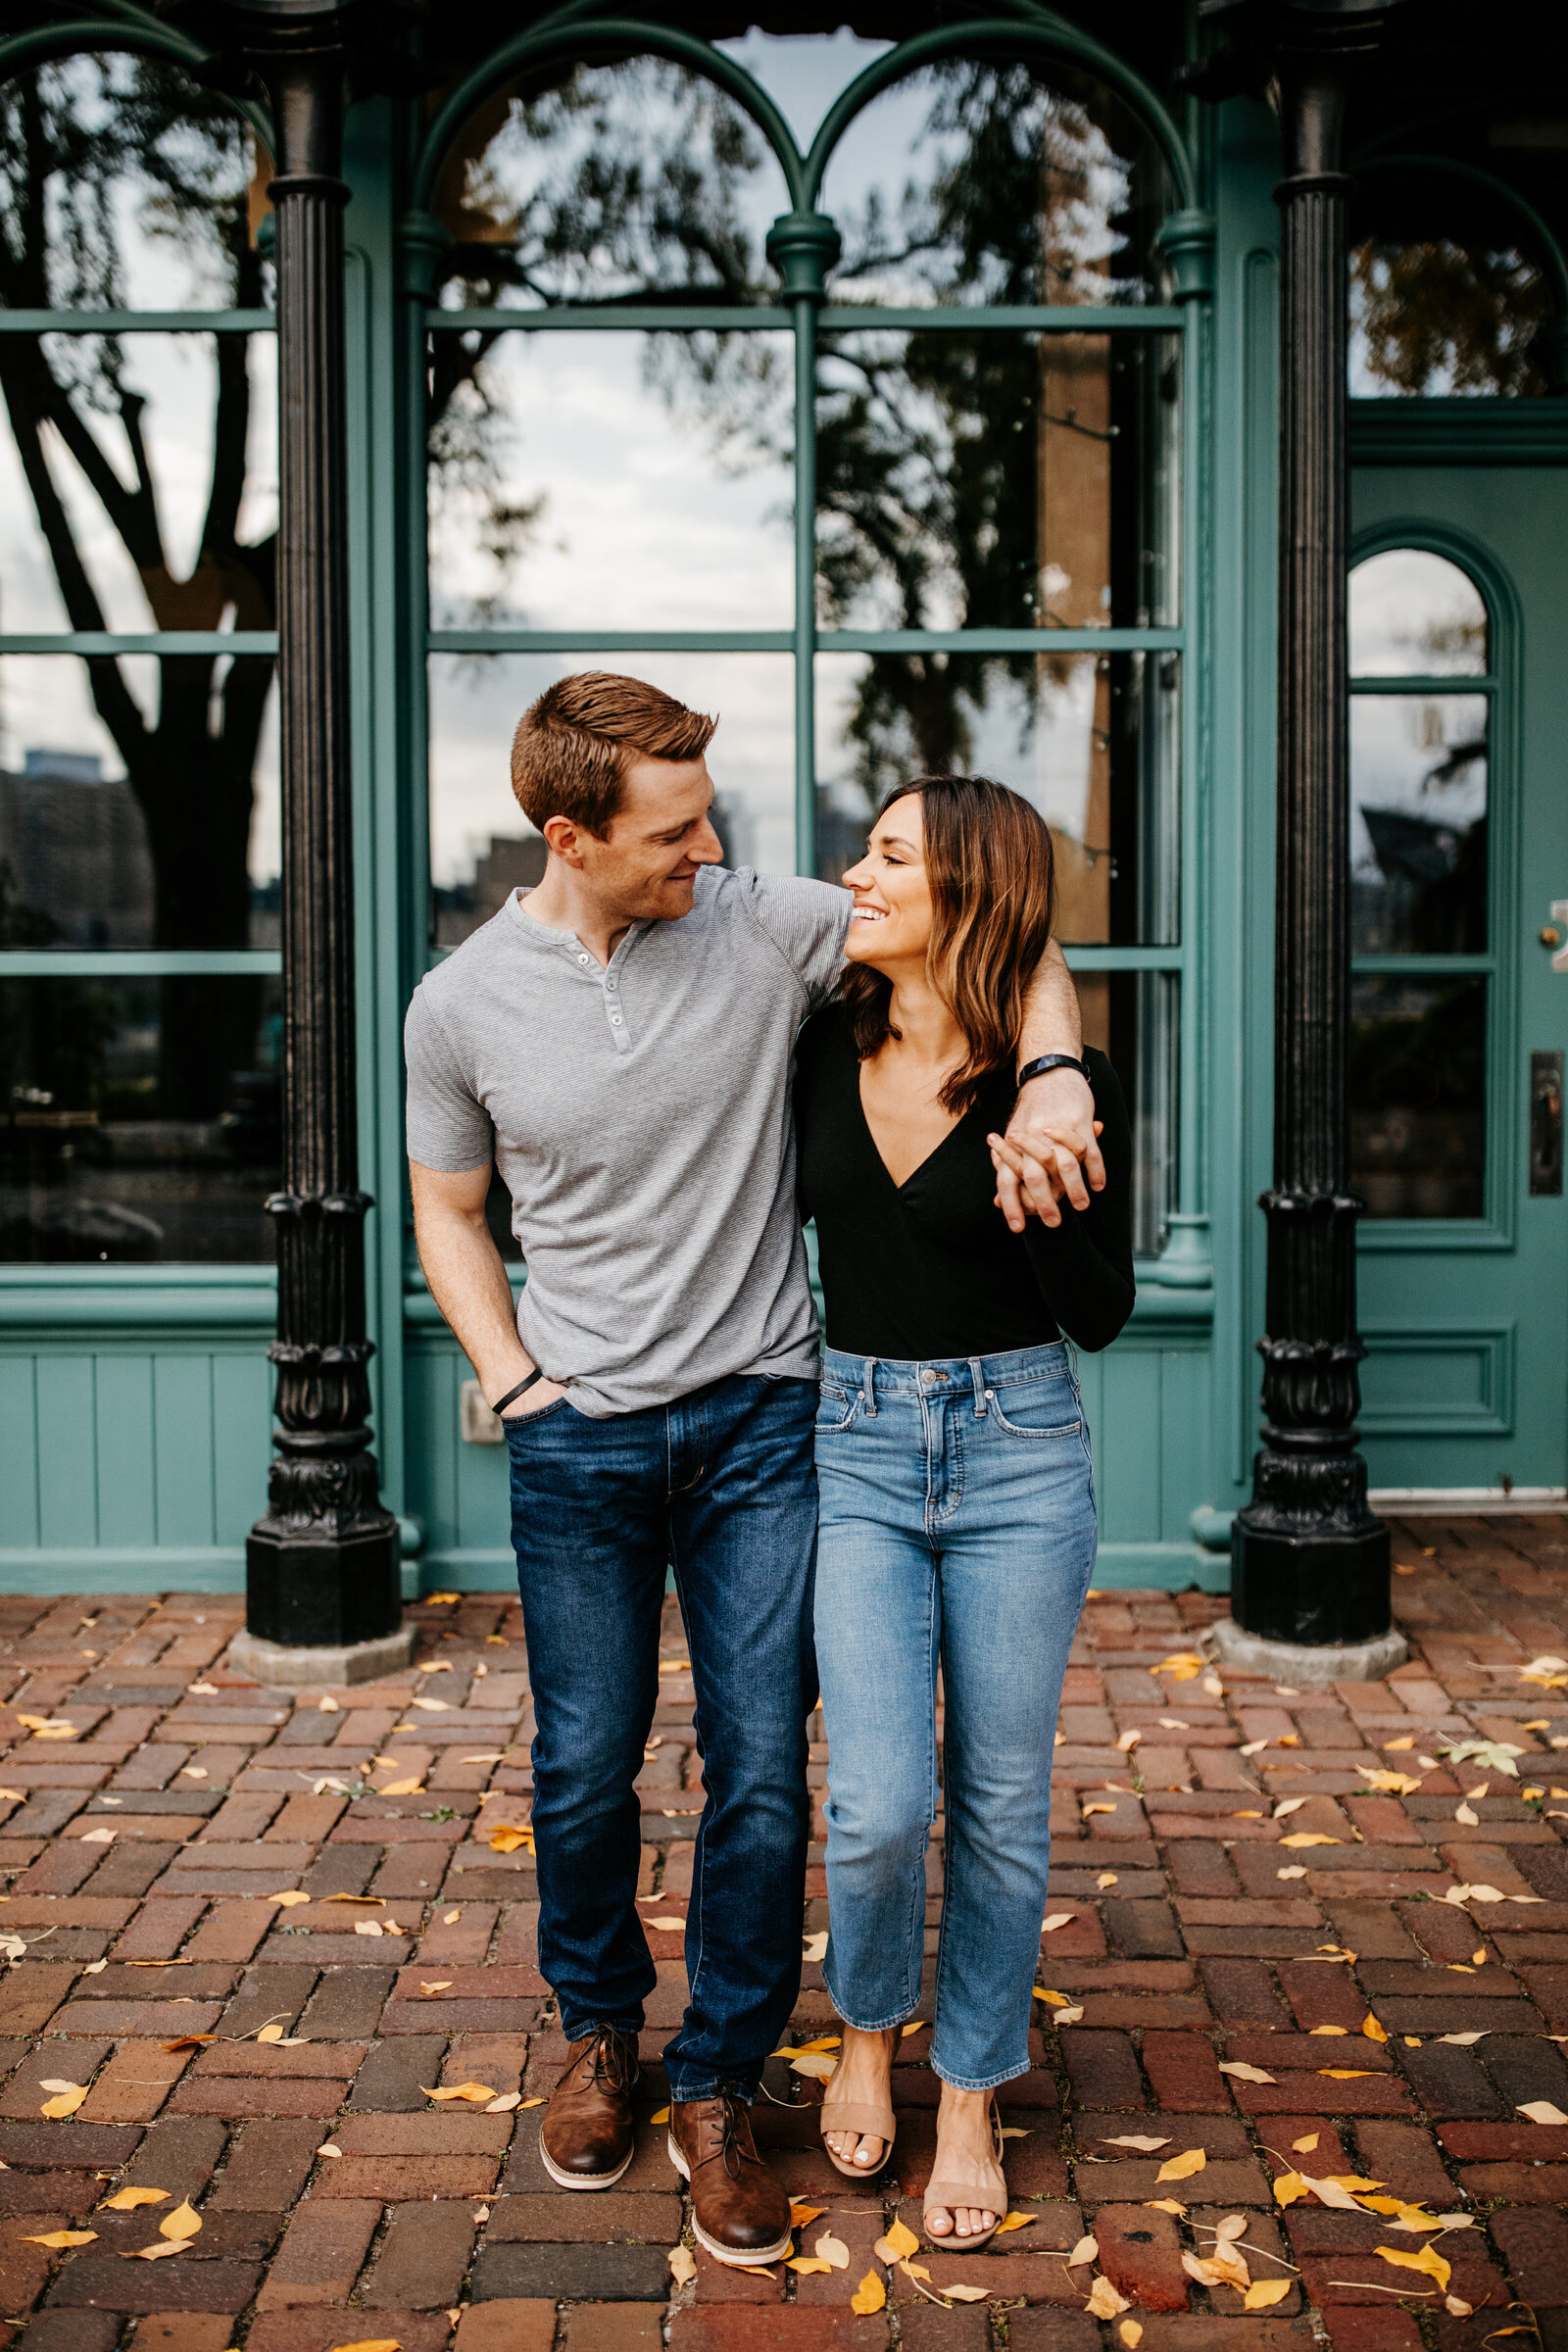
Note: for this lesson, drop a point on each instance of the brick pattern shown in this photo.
(1402, 2034)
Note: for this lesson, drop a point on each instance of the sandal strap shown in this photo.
(977, 2194)
(850, 2115)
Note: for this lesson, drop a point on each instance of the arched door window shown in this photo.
(138, 785)
(617, 451)
(1423, 688)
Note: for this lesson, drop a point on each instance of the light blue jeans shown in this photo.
(957, 1527)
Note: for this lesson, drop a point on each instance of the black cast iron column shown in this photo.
(321, 1567)
(1309, 1562)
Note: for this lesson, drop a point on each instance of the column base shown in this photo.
(323, 1586)
(278, 1663)
(1309, 1665)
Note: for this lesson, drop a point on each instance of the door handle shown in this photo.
(1546, 1122)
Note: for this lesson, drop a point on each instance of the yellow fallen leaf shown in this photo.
(1290, 2186)
(506, 2103)
(328, 1705)
(961, 2294)
(1394, 1747)
(183, 2222)
(1264, 2291)
(1131, 2333)
(270, 2034)
(1014, 2221)
(1344, 2074)
(1098, 1808)
(661, 2115)
(1243, 2073)
(450, 1919)
(1393, 1783)
(815, 2063)
(1170, 2205)
(1057, 2000)
(128, 2199)
(916, 2025)
(435, 1666)
(807, 2265)
(1103, 2300)
(1177, 2168)
(1336, 2032)
(1372, 2030)
(1427, 2260)
(814, 1949)
(328, 2148)
(58, 2239)
(435, 1706)
(507, 1841)
(1464, 2041)
(1542, 2111)
(895, 2244)
(154, 2253)
(55, 1724)
(436, 1985)
(1057, 1919)
(831, 2249)
(1304, 2145)
(187, 2041)
(292, 1895)
(368, 1926)
(372, 2343)
(871, 2295)
(1309, 1838)
(66, 2103)
(800, 2214)
(1086, 2250)
(476, 2093)
(97, 1836)
(1108, 1877)
(1137, 2140)
(410, 1787)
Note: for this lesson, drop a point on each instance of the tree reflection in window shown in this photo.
(122, 183)
(1437, 317)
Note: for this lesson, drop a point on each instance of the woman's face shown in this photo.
(892, 919)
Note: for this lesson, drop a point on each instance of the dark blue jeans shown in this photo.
(721, 1483)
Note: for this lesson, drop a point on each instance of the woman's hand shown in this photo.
(1053, 1125)
(1039, 1179)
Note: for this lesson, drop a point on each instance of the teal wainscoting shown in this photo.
(134, 1428)
(1147, 1401)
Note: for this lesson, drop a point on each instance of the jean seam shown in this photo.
(695, 1901)
(990, 2082)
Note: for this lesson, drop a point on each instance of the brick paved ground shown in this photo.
(144, 1852)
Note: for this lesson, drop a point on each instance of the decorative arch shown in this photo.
(45, 44)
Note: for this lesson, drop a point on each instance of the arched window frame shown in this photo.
(1185, 241)
(1493, 1228)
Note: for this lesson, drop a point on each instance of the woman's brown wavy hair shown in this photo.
(992, 883)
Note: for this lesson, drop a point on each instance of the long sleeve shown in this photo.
(1084, 1266)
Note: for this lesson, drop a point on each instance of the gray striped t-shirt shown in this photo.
(640, 1118)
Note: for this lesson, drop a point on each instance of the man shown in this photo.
(619, 1041)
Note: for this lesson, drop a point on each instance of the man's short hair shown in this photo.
(574, 746)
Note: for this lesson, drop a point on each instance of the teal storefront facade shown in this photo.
(710, 353)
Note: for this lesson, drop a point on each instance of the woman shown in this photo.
(957, 1512)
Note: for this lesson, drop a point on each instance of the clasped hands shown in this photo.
(1050, 1150)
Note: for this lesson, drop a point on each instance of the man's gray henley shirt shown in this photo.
(640, 1117)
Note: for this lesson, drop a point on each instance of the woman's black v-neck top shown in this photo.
(928, 1269)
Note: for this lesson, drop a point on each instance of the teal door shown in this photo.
(1459, 848)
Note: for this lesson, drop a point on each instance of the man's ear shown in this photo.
(564, 840)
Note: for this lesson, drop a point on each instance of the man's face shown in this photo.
(645, 869)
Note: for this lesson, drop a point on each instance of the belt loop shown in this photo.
(869, 1379)
(978, 1376)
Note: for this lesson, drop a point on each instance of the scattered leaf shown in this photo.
(1128, 1741)
(1290, 2187)
(410, 1787)
(435, 1706)
(1108, 1877)
(1103, 2300)
(1372, 2030)
(128, 2199)
(800, 2214)
(1014, 2221)
(368, 1926)
(1465, 2042)
(831, 2249)
(813, 1947)
(897, 2244)
(436, 1985)
(871, 2295)
(807, 2265)
(962, 2294)
(1427, 2260)
(328, 1705)
(1137, 2140)
(1344, 2074)
(58, 2239)
(1180, 2168)
(450, 1919)
(815, 2063)
(65, 2102)
(292, 1895)
(184, 2222)
(1264, 2291)
(327, 2148)
(154, 2253)
(1542, 2111)
(1057, 1918)
(1306, 2145)
(270, 2034)
(1394, 1747)
(1243, 2073)
(1086, 2250)
(476, 2093)
(1339, 2030)
(1392, 1784)
(1296, 1869)
(1309, 1838)
(1131, 2333)
(189, 2042)
(507, 1841)
(97, 1836)
(1170, 2205)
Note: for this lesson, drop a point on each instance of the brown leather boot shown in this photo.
(739, 2211)
(586, 2140)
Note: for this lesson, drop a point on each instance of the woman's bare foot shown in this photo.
(863, 2077)
(966, 2150)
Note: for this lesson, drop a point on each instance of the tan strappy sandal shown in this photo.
(985, 2191)
(865, 2121)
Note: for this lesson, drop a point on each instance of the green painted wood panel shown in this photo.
(128, 1508)
(19, 1453)
(68, 1484)
(182, 1448)
(242, 1422)
(1127, 1449)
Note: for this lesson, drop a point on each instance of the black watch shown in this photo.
(1053, 1061)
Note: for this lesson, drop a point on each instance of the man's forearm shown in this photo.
(468, 1283)
(1052, 1024)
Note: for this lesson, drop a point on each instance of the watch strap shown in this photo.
(1053, 1061)
(521, 1389)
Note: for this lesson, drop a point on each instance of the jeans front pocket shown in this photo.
(1036, 1410)
(836, 1408)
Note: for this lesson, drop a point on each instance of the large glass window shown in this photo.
(140, 848)
(1421, 719)
(615, 457)
(1447, 296)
